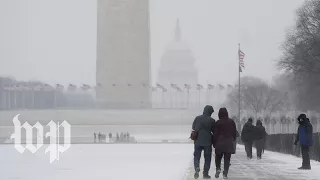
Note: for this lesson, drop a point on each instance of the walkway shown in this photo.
(273, 166)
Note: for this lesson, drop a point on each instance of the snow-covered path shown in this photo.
(273, 166)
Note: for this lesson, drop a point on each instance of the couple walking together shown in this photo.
(208, 133)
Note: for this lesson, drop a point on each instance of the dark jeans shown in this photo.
(305, 156)
(248, 148)
(227, 157)
(259, 152)
(207, 157)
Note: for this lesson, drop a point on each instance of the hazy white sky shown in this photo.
(55, 40)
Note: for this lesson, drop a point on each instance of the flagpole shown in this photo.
(15, 99)
(55, 99)
(170, 96)
(239, 115)
(23, 99)
(188, 98)
(9, 102)
(33, 94)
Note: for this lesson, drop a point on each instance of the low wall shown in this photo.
(102, 117)
(284, 143)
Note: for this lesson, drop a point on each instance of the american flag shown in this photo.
(72, 87)
(47, 87)
(210, 86)
(18, 87)
(59, 87)
(174, 86)
(145, 85)
(159, 86)
(199, 87)
(37, 87)
(85, 87)
(178, 89)
(10, 88)
(241, 58)
(27, 87)
(187, 86)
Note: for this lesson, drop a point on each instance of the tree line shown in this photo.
(298, 88)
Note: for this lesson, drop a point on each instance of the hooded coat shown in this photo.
(260, 135)
(247, 134)
(204, 125)
(225, 133)
(305, 132)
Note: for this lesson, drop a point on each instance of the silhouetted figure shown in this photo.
(110, 136)
(99, 136)
(95, 137)
(117, 137)
(224, 136)
(202, 135)
(121, 136)
(260, 136)
(304, 136)
(247, 137)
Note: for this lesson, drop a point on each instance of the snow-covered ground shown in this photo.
(99, 162)
(273, 166)
(142, 162)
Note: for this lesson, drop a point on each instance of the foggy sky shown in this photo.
(55, 40)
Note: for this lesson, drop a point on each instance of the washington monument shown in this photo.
(123, 54)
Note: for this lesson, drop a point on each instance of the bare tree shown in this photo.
(301, 56)
(257, 96)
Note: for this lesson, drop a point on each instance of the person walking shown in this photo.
(260, 136)
(304, 136)
(224, 136)
(247, 137)
(117, 137)
(202, 135)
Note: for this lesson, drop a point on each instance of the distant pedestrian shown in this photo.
(117, 137)
(224, 136)
(99, 136)
(304, 136)
(247, 137)
(202, 135)
(121, 136)
(110, 136)
(95, 137)
(260, 138)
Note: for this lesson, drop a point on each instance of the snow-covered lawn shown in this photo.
(99, 162)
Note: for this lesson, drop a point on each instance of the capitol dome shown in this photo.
(178, 63)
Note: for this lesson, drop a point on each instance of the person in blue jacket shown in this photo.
(304, 136)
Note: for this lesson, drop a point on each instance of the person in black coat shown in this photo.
(304, 136)
(260, 136)
(247, 137)
(224, 136)
(203, 126)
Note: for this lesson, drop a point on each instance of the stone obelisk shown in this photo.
(123, 54)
